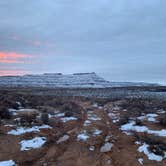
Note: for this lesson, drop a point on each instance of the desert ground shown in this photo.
(55, 130)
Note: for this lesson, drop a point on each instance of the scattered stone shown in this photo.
(106, 147)
(63, 139)
(92, 148)
(141, 161)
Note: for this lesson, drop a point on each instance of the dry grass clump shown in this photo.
(4, 113)
(71, 109)
(138, 122)
(162, 120)
(124, 119)
(27, 118)
(45, 118)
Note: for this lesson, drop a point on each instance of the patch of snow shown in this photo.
(82, 136)
(149, 117)
(150, 155)
(15, 112)
(152, 115)
(115, 121)
(34, 143)
(92, 116)
(141, 117)
(114, 117)
(59, 115)
(127, 133)
(7, 163)
(141, 161)
(95, 105)
(161, 111)
(161, 133)
(87, 123)
(106, 147)
(66, 119)
(23, 130)
(9, 125)
(137, 142)
(132, 127)
(63, 139)
(97, 132)
(116, 108)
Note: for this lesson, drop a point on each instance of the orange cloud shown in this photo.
(12, 57)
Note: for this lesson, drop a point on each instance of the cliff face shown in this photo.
(57, 80)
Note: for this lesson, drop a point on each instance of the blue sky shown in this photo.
(120, 40)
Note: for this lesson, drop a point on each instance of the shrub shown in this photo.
(72, 107)
(138, 122)
(4, 113)
(26, 118)
(162, 120)
(15, 105)
(68, 114)
(156, 150)
(124, 119)
(45, 118)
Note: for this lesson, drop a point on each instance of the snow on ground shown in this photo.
(148, 117)
(95, 105)
(82, 136)
(87, 122)
(56, 115)
(7, 163)
(66, 119)
(96, 132)
(9, 125)
(23, 130)
(114, 117)
(132, 127)
(85, 134)
(151, 156)
(34, 143)
(15, 112)
(56, 80)
(161, 111)
(92, 116)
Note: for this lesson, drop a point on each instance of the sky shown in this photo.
(121, 40)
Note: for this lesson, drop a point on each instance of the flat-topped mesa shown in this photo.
(56, 80)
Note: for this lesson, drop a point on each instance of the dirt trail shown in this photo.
(96, 123)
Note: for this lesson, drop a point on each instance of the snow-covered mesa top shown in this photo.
(79, 80)
(58, 80)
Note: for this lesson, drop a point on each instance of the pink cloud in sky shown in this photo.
(12, 57)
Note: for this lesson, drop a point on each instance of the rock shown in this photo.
(107, 138)
(92, 148)
(63, 139)
(106, 147)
